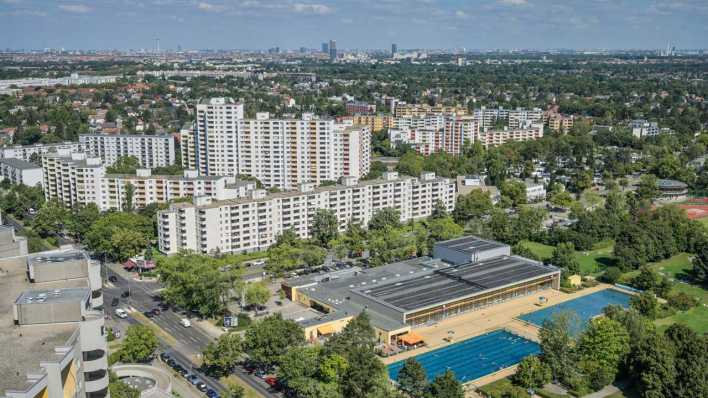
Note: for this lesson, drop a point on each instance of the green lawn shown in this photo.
(677, 268)
(591, 262)
(503, 388)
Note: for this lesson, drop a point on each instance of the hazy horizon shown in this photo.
(363, 24)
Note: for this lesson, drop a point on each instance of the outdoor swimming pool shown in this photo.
(474, 358)
(586, 307)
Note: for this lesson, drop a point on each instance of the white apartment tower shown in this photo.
(279, 152)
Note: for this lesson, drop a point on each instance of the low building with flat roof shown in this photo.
(420, 291)
(672, 190)
(19, 171)
(52, 335)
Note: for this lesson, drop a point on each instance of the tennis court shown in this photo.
(585, 307)
(474, 358)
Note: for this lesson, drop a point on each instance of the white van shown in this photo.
(185, 322)
(121, 313)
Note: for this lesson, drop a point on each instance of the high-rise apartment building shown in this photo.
(254, 223)
(332, 50)
(394, 50)
(435, 133)
(325, 48)
(151, 150)
(52, 331)
(279, 152)
(75, 179)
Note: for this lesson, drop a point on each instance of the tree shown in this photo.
(601, 348)
(515, 191)
(700, 264)
(325, 227)
(691, 361)
(124, 165)
(118, 389)
(224, 353)
(386, 217)
(446, 386)
(197, 283)
(267, 340)
(412, 378)
(564, 258)
(129, 192)
(411, 164)
(82, 217)
(532, 372)
(650, 280)
(472, 206)
(612, 275)
(646, 304)
(234, 390)
(556, 344)
(654, 366)
(647, 189)
(439, 210)
(257, 294)
(50, 219)
(120, 235)
(562, 199)
(139, 345)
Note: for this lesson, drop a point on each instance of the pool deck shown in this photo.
(495, 317)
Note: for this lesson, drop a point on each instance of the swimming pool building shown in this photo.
(464, 274)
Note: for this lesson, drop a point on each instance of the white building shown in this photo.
(20, 172)
(52, 331)
(76, 179)
(25, 152)
(151, 150)
(520, 117)
(435, 132)
(254, 223)
(535, 191)
(73, 79)
(279, 152)
(148, 188)
(498, 137)
(644, 128)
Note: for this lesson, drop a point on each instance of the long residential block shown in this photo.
(151, 150)
(20, 172)
(279, 152)
(254, 223)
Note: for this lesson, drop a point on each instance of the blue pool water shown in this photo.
(474, 358)
(586, 307)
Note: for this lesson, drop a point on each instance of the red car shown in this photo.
(271, 381)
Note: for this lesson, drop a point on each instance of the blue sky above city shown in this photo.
(255, 24)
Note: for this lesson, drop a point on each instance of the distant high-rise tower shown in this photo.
(332, 50)
(394, 49)
(157, 45)
(325, 48)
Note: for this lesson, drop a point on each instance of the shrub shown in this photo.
(682, 301)
(612, 275)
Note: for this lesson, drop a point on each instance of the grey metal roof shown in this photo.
(457, 282)
(470, 244)
(59, 257)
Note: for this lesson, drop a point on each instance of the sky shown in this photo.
(362, 24)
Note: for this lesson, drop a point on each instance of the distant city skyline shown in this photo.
(364, 24)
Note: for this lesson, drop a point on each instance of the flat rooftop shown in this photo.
(456, 282)
(19, 164)
(44, 296)
(30, 344)
(59, 257)
(470, 244)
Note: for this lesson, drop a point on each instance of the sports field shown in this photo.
(474, 358)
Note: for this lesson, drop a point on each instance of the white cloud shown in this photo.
(204, 6)
(75, 8)
(514, 2)
(319, 9)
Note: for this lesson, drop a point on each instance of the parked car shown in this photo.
(125, 294)
(148, 314)
(156, 311)
(271, 381)
(185, 322)
(115, 302)
(165, 356)
(201, 386)
(113, 279)
(121, 313)
(211, 393)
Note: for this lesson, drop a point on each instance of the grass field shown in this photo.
(677, 268)
(591, 262)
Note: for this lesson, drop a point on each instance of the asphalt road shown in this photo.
(191, 341)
